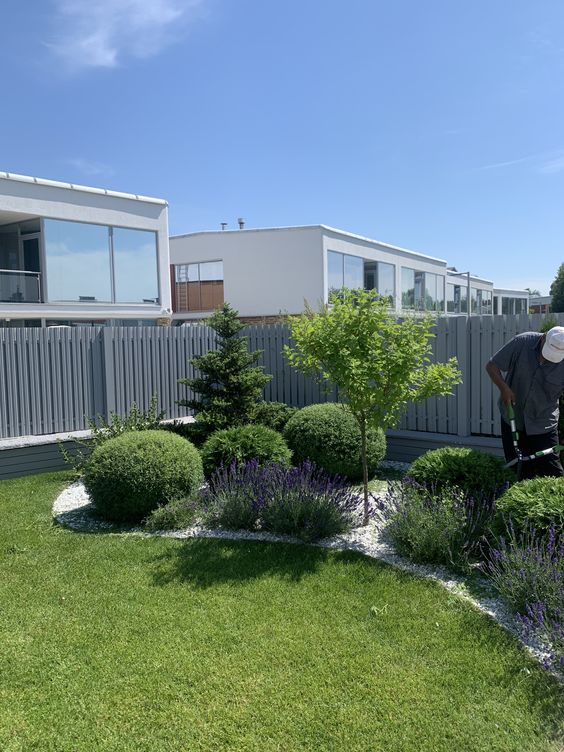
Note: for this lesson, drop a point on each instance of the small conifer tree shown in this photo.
(230, 385)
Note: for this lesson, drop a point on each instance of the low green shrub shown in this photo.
(176, 515)
(129, 476)
(328, 435)
(193, 431)
(243, 443)
(533, 504)
(273, 415)
(475, 472)
(441, 527)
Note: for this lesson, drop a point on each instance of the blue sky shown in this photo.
(435, 126)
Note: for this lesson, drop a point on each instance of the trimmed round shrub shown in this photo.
(328, 435)
(130, 476)
(242, 443)
(273, 414)
(532, 505)
(474, 472)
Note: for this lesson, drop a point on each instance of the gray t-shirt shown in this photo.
(536, 386)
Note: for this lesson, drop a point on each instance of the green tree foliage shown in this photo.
(378, 362)
(229, 385)
(557, 291)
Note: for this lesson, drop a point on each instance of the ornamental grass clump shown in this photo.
(527, 569)
(446, 526)
(303, 501)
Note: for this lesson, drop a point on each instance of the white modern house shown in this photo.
(71, 254)
(264, 273)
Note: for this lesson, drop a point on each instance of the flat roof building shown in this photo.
(269, 272)
(73, 254)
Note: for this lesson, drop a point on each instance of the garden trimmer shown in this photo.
(520, 457)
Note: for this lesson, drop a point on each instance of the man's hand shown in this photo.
(507, 396)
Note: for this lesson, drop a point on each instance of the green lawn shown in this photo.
(119, 643)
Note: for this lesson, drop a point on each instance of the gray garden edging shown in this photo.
(72, 509)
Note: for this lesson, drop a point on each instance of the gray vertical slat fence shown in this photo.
(52, 380)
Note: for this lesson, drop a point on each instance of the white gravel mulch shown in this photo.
(73, 509)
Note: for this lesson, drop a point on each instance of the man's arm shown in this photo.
(507, 394)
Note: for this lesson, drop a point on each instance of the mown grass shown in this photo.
(122, 643)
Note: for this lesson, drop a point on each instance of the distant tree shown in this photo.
(229, 387)
(557, 291)
(533, 293)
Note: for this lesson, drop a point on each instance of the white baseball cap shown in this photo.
(553, 348)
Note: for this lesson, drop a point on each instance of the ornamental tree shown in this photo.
(230, 385)
(557, 291)
(379, 363)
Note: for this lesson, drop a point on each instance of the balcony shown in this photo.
(20, 286)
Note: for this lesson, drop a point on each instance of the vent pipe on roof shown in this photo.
(241, 223)
(223, 225)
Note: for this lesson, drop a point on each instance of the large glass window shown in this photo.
(457, 298)
(387, 281)
(98, 264)
(407, 288)
(78, 262)
(381, 277)
(335, 271)
(354, 272)
(135, 266)
(422, 290)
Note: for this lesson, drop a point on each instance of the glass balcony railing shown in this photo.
(20, 286)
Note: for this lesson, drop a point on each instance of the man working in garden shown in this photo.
(529, 373)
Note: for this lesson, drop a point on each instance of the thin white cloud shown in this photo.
(101, 33)
(87, 167)
(544, 163)
(553, 165)
(508, 163)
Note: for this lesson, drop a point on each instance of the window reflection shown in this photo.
(335, 274)
(135, 266)
(78, 261)
(354, 272)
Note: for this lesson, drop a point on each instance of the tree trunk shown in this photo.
(362, 423)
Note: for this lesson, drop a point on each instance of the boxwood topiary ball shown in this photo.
(328, 435)
(242, 443)
(473, 471)
(534, 504)
(131, 475)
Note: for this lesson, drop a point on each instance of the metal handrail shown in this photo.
(18, 271)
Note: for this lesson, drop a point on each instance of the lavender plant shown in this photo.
(303, 501)
(235, 495)
(443, 526)
(307, 502)
(527, 569)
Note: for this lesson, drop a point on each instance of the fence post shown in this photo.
(109, 370)
(463, 390)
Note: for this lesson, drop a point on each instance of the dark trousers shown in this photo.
(528, 444)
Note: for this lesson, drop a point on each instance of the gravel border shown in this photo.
(73, 509)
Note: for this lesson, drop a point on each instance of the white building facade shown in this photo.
(273, 271)
(73, 255)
